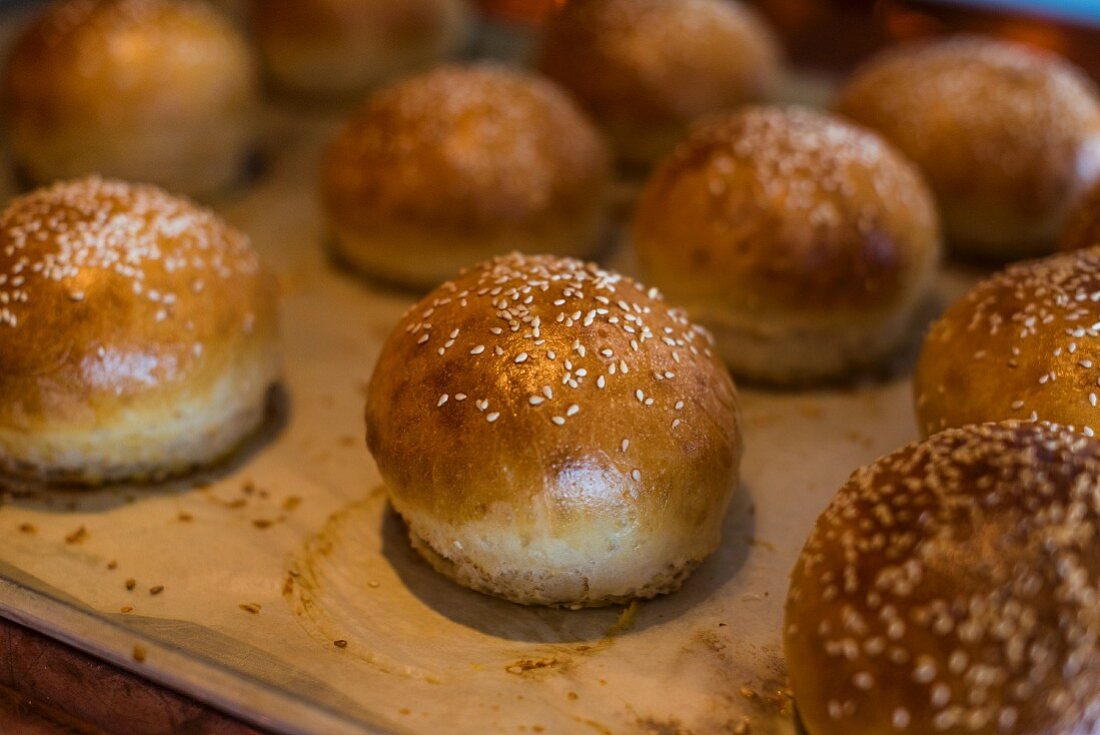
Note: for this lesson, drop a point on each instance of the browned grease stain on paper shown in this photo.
(359, 580)
(360, 568)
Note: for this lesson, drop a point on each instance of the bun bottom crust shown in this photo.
(201, 159)
(412, 258)
(141, 445)
(553, 588)
(803, 352)
(985, 238)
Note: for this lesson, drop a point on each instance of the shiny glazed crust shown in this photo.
(1082, 228)
(137, 334)
(340, 48)
(143, 90)
(646, 68)
(1022, 344)
(554, 433)
(445, 169)
(803, 242)
(951, 587)
(1007, 137)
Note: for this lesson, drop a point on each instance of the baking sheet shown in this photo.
(235, 586)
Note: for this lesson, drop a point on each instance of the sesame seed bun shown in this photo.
(445, 169)
(1082, 228)
(646, 68)
(341, 48)
(555, 434)
(951, 587)
(144, 90)
(1022, 344)
(1007, 137)
(137, 334)
(804, 243)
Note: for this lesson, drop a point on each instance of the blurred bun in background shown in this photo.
(1082, 228)
(342, 48)
(645, 69)
(450, 167)
(162, 91)
(1007, 137)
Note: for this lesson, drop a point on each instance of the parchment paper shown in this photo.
(266, 564)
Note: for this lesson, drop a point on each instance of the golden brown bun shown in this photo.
(1022, 344)
(445, 169)
(646, 68)
(341, 48)
(804, 243)
(555, 434)
(137, 334)
(1006, 136)
(1082, 228)
(951, 587)
(145, 90)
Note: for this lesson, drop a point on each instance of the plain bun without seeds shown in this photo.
(553, 433)
(645, 69)
(342, 48)
(137, 334)
(159, 91)
(1007, 137)
(447, 168)
(952, 587)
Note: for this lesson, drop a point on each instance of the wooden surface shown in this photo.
(48, 688)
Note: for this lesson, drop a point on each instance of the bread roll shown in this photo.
(804, 243)
(951, 587)
(1022, 344)
(1007, 137)
(137, 334)
(161, 91)
(555, 434)
(341, 48)
(1082, 228)
(445, 169)
(646, 68)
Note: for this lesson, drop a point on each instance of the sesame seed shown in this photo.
(492, 417)
(477, 350)
(900, 718)
(521, 358)
(559, 420)
(572, 410)
(442, 399)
